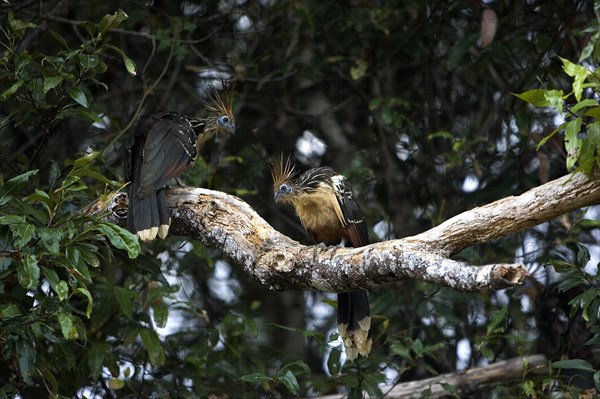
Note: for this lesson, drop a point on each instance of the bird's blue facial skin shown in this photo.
(226, 122)
(283, 190)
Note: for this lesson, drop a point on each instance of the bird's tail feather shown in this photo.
(148, 217)
(354, 323)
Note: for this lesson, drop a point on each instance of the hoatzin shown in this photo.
(162, 145)
(325, 205)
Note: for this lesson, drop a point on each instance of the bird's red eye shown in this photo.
(285, 188)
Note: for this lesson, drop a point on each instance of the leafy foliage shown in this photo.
(582, 145)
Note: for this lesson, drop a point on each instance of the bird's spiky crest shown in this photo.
(220, 104)
(282, 171)
(217, 105)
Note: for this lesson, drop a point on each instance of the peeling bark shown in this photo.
(229, 224)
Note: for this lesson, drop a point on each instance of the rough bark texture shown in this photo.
(226, 222)
(465, 382)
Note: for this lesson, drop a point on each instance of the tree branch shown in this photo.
(229, 224)
(468, 381)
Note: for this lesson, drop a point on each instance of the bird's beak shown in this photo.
(280, 195)
(230, 128)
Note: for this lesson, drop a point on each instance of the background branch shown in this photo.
(468, 381)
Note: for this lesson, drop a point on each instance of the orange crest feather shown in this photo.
(281, 171)
(220, 104)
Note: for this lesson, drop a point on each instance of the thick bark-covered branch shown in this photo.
(513, 214)
(227, 223)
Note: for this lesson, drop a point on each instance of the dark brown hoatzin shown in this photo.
(162, 145)
(325, 204)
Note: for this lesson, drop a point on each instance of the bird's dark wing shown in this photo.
(354, 220)
(170, 146)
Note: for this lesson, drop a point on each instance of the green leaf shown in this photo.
(43, 198)
(570, 282)
(84, 162)
(60, 287)
(589, 48)
(579, 73)
(67, 326)
(572, 142)
(583, 255)
(11, 219)
(359, 69)
(493, 326)
(36, 89)
(528, 387)
(120, 238)
(561, 266)
(95, 359)
(86, 293)
(578, 364)
(89, 255)
(88, 61)
(591, 143)
(129, 63)
(548, 137)
(153, 346)
(417, 347)
(54, 174)
(78, 96)
(451, 389)
(289, 380)
(597, 380)
(26, 359)
(91, 173)
(50, 378)
(125, 298)
(161, 314)
(333, 362)
(8, 311)
(585, 103)
(11, 90)
(28, 272)
(80, 113)
(584, 300)
(116, 384)
(12, 186)
(593, 112)
(255, 377)
(535, 97)
(400, 349)
(19, 27)
(487, 353)
(555, 99)
(51, 238)
(302, 368)
(77, 265)
(111, 21)
(24, 233)
(57, 36)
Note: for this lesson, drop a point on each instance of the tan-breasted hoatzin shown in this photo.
(162, 145)
(325, 204)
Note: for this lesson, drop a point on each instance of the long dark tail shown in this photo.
(354, 323)
(149, 216)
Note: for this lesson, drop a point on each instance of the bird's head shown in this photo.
(284, 185)
(220, 119)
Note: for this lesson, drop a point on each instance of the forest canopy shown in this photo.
(428, 108)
